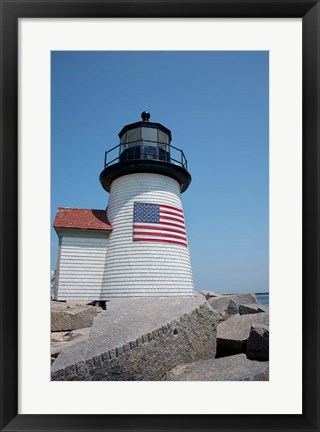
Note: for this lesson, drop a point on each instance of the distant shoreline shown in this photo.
(256, 293)
(238, 293)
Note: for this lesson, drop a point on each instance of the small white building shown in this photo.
(145, 252)
(83, 240)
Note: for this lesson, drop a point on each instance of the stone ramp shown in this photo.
(141, 339)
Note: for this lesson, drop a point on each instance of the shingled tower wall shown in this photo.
(135, 268)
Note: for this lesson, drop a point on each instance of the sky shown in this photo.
(216, 104)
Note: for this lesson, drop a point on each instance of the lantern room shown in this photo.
(145, 140)
(145, 147)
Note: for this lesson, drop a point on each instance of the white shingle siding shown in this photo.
(81, 264)
(143, 268)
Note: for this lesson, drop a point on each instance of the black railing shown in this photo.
(145, 150)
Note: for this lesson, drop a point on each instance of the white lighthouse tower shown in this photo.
(148, 252)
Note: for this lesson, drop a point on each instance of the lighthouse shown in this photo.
(138, 246)
(148, 252)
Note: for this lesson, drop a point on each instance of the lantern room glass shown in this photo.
(150, 135)
(133, 137)
(144, 143)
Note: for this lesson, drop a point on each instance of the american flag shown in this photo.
(159, 223)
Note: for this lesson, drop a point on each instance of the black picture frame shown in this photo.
(11, 11)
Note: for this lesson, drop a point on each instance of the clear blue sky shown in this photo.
(217, 106)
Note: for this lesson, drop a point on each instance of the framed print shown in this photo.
(33, 37)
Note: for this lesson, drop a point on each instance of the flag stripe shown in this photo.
(163, 241)
(173, 215)
(171, 208)
(172, 224)
(164, 210)
(160, 227)
(158, 234)
(167, 218)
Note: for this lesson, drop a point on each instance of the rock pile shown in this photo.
(234, 333)
(71, 324)
(242, 304)
(67, 316)
(205, 338)
(242, 318)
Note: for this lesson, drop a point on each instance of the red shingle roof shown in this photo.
(81, 219)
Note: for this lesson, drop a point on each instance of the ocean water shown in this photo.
(263, 299)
